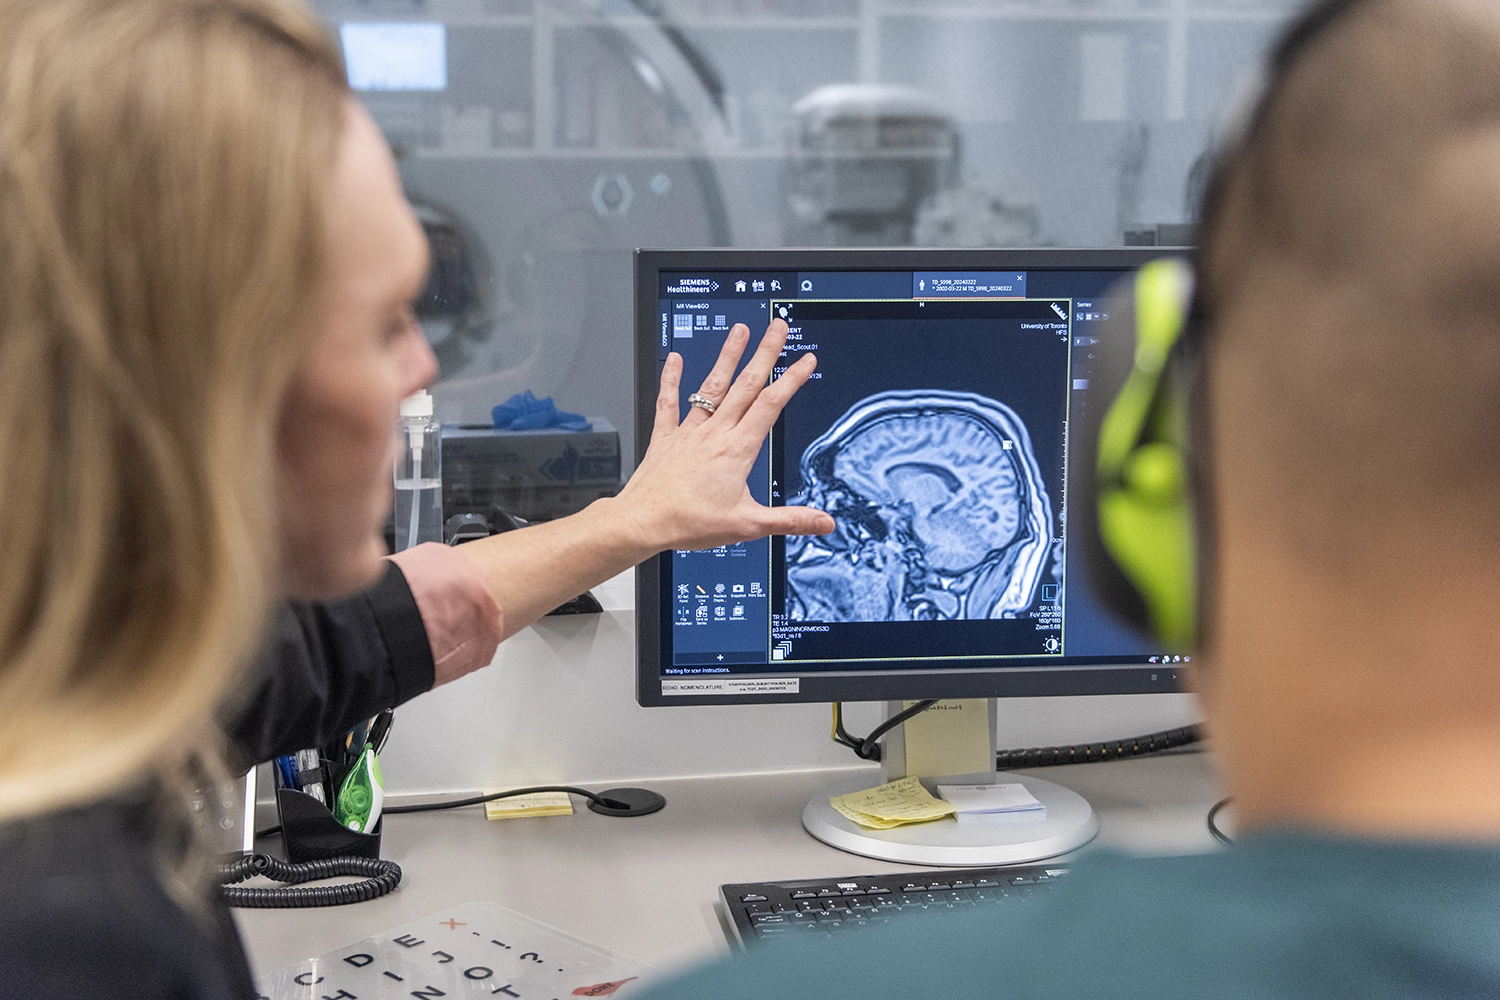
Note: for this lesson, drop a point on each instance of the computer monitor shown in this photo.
(943, 431)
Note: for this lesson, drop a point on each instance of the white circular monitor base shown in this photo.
(1069, 824)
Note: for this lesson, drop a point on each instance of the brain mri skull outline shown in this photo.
(940, 507)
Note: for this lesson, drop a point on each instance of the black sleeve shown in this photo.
(327, 665)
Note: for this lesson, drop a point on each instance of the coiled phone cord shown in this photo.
(381, 877)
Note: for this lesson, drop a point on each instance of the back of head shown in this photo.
(164, 173)
(1350, 269)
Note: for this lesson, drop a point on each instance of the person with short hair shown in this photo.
(1346, 436)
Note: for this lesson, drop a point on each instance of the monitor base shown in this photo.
(1070, 824)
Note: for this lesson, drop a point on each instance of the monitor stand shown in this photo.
(954, 743)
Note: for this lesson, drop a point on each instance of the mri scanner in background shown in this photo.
(553, 141)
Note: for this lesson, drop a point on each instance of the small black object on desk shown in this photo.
(311, 833)
(627, 802)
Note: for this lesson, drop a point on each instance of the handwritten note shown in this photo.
(536, 804)
(893, 804)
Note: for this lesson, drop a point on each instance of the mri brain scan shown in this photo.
(941, 512)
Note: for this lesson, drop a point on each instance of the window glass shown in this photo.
(542, 140)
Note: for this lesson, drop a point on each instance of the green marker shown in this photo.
(362, 794)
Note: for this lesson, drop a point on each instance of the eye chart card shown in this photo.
(472, 950)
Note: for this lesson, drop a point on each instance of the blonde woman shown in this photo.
(205, 270)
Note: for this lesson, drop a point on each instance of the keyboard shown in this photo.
(764, 912)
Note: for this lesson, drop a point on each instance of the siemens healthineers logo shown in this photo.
(693, 286)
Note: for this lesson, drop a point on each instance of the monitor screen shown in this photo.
(395, 55)
(936, 432)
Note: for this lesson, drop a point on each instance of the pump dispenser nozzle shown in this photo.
(422, 435)
(419, 406)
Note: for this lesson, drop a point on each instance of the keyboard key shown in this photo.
(752, 898)
(804, 894)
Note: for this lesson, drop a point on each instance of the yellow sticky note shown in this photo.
(865, 819)
(536, 804)
(891, 805)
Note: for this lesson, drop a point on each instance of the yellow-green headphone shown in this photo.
(1145, 511)
(1151, 548)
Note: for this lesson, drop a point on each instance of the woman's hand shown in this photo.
(689, 491)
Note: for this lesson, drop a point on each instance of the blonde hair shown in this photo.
(165, 169)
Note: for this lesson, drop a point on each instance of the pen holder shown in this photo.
(311, 833)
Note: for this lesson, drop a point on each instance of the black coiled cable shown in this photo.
(868, 747)
(380, 878)
(1089, 753)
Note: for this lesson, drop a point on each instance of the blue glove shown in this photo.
(524, 412)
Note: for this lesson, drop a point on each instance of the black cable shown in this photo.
(478, 799)
(841, 735)
(1213, 827)
(380, 878)
(1090, 753)
(871, 745)
(866, 747)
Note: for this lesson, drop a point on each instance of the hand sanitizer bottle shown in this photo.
(419, 474)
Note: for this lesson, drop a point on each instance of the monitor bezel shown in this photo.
(1012, 682)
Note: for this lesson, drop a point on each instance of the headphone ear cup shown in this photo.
(1146, 526)
(1141, 545)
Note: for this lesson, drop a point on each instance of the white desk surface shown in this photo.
(647, 887)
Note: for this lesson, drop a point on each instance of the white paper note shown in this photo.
(1013, 798)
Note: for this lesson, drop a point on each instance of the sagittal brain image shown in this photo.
(941, 511)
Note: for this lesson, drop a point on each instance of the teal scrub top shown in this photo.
(1284, 915)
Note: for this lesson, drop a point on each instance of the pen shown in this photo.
(380, 729)
(286, 771)
(354, 742)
